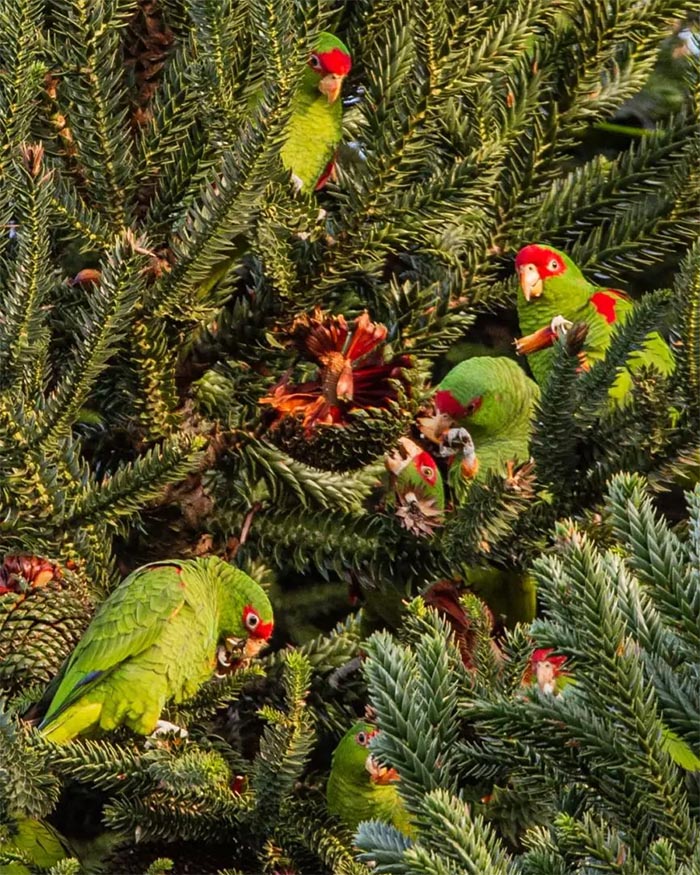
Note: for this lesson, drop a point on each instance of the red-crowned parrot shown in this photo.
(492, 398)
(313, 133)
(156, 638)
(315, 127)
(555, 293)
(418, 491)
(359, 788)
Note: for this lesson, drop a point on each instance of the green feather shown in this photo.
(154, 639)
(351, 794)
(37, 842)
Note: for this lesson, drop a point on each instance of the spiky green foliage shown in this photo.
(537, 782)
(154, 255)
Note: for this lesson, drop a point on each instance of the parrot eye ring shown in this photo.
(315, 62)
(252, 620)
(554, 264)
(361, 738)
(427, 471)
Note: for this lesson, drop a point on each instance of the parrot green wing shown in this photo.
(129, 621)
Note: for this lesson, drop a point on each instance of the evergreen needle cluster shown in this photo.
(160, 276)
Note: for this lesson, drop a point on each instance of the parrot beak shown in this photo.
(541, 339)
(433, 427)
(530, 281)
(330, 85)
(405, 450)
(252, 647)
(380, 774)
(236, 653)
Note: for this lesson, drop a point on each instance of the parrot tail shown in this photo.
(68, 724)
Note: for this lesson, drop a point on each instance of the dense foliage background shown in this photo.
(154, 259)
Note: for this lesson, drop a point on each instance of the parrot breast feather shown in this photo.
(130, 620)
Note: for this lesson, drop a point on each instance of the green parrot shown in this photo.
(359, 788)
(419, 494)
(556, 293)
(315, 127)
(492, 397)
(314, 131)
(157, 638)
(35, 841)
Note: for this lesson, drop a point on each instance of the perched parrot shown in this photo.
(313, 134)
(554, 294)
(315, 127)
(35, 841)
(492, 397)
(157, 638)
(359, 788)
(419, 494)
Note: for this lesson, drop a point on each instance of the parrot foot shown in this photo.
(456, 440)
(297, 182)
(559, 326)
(163, 727)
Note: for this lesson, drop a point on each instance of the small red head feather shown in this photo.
(334, 61)
(254, 625)
(547, 261)
(445, 402)
(426, 467)
(544, 654)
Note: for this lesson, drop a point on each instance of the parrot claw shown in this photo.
(297, 182)
(458, 440)
(559, 326)
(164, 727)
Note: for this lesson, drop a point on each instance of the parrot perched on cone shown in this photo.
(315, 127)
(359, 788)
(555, 293)
(418, 491)
(484, 404)
(157, 638)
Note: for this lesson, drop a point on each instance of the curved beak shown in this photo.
(530, 281)
(330, 85)
(380, 774)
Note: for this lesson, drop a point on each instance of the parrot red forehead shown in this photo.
(426, 467)
(335, 61)
(546, 260)
(545, 654)
(254, 624)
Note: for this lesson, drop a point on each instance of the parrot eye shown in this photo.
(427, 472)
(251, 620)
(553, 264)
(315, 62)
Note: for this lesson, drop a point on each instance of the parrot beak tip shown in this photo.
(330, 86)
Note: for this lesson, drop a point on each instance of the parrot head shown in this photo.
(482, 394)
(353, 760)
(418, 487)
(328, 65)
(413, 467)
(247, 624)
(551, 278)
